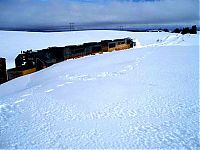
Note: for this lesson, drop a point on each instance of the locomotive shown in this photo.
(31, 61)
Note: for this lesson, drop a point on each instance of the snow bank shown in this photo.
(138, 98)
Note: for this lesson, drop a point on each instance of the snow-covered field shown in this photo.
(145, 97)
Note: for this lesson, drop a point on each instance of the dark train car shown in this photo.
(61, 53)
(67, 52)
(44, 58)
(76, 51)
(79, 51)
(93, 47)
(71, 51)
(96, 49)
(105, 45)
(57, 52)
(3, 72)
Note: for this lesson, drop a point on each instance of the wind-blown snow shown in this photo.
(144, 97)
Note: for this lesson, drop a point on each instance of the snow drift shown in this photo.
(139, 98)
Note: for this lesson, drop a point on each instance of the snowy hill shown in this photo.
(145, 97)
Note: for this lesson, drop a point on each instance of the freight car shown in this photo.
(3, 73)
(31, 61)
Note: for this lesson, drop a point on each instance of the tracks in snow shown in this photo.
(71, 79)
(129, 133)
(169, 40)
(68, 80)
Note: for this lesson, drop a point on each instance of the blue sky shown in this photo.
(23, 13)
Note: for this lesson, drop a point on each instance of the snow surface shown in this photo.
(145, 97)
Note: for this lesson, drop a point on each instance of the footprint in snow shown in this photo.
(26, 95)
(36, 87)
(3, 106)
(6, 106)
(60, 85)
(19, 101)
(48, 91)
(68, 82)
(89, 79)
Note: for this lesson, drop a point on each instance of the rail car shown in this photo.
(31, 61)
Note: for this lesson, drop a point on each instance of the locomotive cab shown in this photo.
(130, 42)
(25, 60)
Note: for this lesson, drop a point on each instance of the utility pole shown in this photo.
(71, 26)
(121, 28)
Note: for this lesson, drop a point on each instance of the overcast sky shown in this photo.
(23, 13)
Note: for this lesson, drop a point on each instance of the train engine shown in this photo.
(28, 62)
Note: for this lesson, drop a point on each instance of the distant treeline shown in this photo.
(186, 30)
(192, 30)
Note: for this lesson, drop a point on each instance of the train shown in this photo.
(30, 61)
